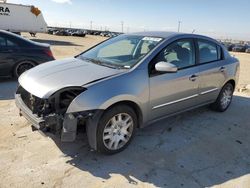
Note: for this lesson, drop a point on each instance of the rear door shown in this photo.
(5, 60)
(212, 70)
(174, 92)
(8, 50)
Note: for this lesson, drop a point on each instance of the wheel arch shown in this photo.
(231, 81)
(134, 106)
(20, 61)
(92, 123)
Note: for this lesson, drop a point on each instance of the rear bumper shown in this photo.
(37, 122)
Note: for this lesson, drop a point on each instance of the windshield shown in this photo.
(123, 51)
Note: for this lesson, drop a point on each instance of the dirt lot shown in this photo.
(200, 148)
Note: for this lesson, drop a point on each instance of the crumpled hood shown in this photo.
(45, 79)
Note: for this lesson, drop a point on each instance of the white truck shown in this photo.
(21, 18)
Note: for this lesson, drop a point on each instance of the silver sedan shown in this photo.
(125, 83)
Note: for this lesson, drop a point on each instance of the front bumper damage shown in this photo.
(63, 124)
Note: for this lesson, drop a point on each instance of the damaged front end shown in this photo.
(51, 114)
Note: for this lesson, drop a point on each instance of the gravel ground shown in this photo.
(200, 148)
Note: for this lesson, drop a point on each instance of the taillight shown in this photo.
(49, 53)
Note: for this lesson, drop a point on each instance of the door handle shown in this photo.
(193, 77)
(222, 69)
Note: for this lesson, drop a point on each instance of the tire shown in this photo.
(21, 67)
(224, 99)
(116, 129)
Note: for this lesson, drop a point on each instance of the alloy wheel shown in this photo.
(226, 97)
(118, 131)
(22, 67)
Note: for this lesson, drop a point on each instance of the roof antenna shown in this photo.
(193, 31)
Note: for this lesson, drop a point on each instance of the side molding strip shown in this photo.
(172, 102)
(208, 91)
(186, 98)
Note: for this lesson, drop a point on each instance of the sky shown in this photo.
(217, 18)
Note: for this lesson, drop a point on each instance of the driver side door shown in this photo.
(174, 92)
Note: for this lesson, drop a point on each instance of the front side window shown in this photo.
(123, 51)
(208, 52)
(180, 53)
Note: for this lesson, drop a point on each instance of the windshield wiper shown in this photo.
(102, 63)
(115, 66)
(98, 62)
(90, 60)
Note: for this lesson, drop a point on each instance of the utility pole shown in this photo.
(122, 23)
(179, 26)
(91, 23)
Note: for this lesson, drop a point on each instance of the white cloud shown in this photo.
(63, 1)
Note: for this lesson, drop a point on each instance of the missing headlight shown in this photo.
(62, 98)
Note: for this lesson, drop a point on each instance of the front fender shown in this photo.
(127, 87)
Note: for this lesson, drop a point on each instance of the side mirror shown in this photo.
(165, 67)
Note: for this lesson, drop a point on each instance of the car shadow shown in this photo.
(200, 148)
(8, 88)
(56, 42)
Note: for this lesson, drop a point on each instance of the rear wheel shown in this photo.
(224, 99)
(23, 66)
(116, 129)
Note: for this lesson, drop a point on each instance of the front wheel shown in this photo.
(224, 99)
(116, 129)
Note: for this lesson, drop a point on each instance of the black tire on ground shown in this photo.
(21, 67)
(126, 112)
(226, 91)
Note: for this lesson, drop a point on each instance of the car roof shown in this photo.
(161, 34)
(6, 32)
(12, 35)
(22, 39)
(167, 35)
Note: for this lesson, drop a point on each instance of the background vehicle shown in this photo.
(248, 49)
(62, 33)
(21, 18)
(78, 33)
(229, 46)
(239, 48)
(125, 83)
(51, 31)
(18, 54)
(104, 34)
(97, 33)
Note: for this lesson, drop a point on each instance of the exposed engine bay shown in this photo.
(51, 112)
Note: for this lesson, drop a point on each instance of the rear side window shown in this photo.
(2, 42)
(208, 51)
(11, 43)
(6, 42)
